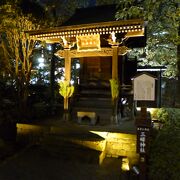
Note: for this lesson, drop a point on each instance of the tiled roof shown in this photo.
(93, 15)
(95, 20)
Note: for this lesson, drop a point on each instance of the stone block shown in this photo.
(85, 115)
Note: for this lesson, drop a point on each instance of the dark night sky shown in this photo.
(91, 2)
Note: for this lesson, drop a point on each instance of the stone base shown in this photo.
(87, 115)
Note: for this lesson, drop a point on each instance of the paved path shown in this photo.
(40, 162)
(65, 161)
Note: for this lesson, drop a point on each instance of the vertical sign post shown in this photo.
(144, 90)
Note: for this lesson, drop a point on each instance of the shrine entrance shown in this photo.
(95, 71)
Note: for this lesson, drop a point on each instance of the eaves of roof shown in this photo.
(89, 21)
(93, 28)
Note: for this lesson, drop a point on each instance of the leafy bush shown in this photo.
(169, 116)
(165, 148)
(165, 155)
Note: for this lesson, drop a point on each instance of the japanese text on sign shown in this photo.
(143, 134)
(142, 142)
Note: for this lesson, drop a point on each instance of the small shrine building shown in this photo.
(98, 40)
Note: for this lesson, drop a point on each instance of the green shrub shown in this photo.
(165, 155)
(169, 116)
(165, 147)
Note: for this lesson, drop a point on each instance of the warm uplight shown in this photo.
(151, 110)
(125, 164)
(102, 134)
(112, 144)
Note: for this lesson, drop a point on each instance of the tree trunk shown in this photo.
(22, 99)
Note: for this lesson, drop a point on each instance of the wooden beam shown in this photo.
(104, 52)
(75, 54)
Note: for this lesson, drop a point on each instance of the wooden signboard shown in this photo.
(88, 43)
(144, 88)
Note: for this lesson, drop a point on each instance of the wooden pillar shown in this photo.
(67, 64)
(115, 62)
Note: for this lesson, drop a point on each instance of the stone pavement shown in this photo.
(65, 161)
(39, 162)
(124, 126)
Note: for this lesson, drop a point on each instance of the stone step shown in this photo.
(65, 150)
(93, 105)
(90, 92)
(92, 96)
(93, 101)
